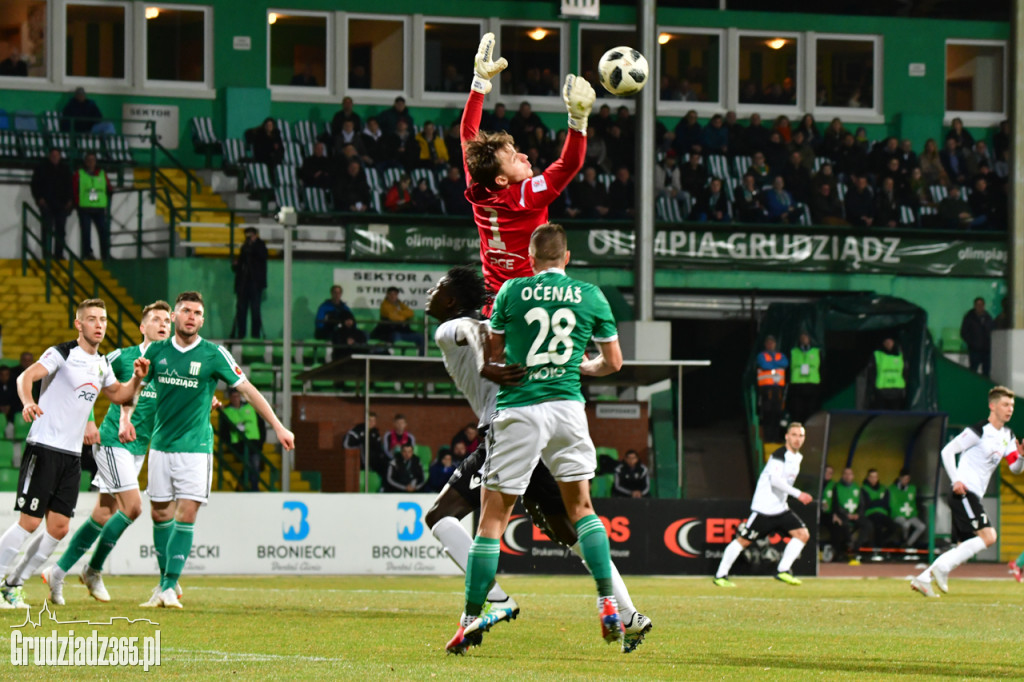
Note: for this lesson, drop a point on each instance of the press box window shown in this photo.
(690, 67)
(376, 54)
(175, 45)
(593, 44)
(534, 60)
(23, 38)
(975, 77)
(768, 70)
(95, 41)
(846, 73)
(449, 49)
(298, 49)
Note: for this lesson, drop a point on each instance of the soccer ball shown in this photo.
(623, 71)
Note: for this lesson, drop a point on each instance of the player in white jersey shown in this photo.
(461, 338)
(981, 448)
(770, 512)
(73, 374)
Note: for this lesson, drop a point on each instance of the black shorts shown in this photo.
(542, 493)
(48, 480)
(969, 515)
(760, 525)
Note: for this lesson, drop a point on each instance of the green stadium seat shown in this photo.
(261, 375)
(6, 454)
(21, 427)
(611, 452)
(8, 480)
(277, 353)
(253, 350)
(3, 425)
(323, 385)
(601, 486)
(951, 341)
(375, 481)
(314, 352)
(426, 455)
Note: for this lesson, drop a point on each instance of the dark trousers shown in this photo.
(980, 361)
(889, 399)
(769, 409)
(86, 218)
(250, 297)
(883, 531)
(803, 401)
(248, 451)
(54, 229)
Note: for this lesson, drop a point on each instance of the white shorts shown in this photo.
(179, 476)
(117, 469)
(555, 431)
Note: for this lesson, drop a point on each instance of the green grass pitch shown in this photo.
(354, 628)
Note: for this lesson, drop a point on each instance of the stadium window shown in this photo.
(534, 53)
(95, 40)
(176, 44)
(594, 42)
(768, 73)
(23, 38)
(297, 48)
(691, 67)
(376, 53)
(976, 80)
(449, 47)
(848, 75)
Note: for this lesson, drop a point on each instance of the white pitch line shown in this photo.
(248, 656)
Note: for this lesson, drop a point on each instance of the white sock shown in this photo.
(622, 598)
(457, 541)
(729, 556)
(790, 554)
(10, 543)
(38, 551)
(56, 573)
(959, 554)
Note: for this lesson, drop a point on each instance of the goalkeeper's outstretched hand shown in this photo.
(484, 66)
(579, 98)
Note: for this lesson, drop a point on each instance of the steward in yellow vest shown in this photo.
(92, 196)
(887, 380)
(805, 380)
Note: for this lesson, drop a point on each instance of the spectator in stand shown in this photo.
(496, 121)
(763, 175)
(405, 473)
(631, 477)
(1001, 139)
(826, 209)
(771, 387)
(693, 175)
(14, 65)
(851, 160)
(266, 143)
(453, 80)
(346, 113)
(398, 436)
(667, 180)
(547, 152)
(903, 510)
(316, 170)
(954, 212)
(624, 119)
(250, 281)
(352, 191)
(860, 203)
(621, 152)
(736, 134)
(394, 321)
(887, 206)
(860, 138)
(399, 196)
(748, 207)
(522, 124)
(372, 139)
(51, 189)
(349, 135)
(779, 203)
(459, 452)
(242, 425)
(918, 194)
(358, 79)
(331, 314)
(783, 128)
(932, 168)
(901, 183)
(797, 178)
(801, 146)
(756, 136)
(82, 115)
(469, 436)
(440, 469)
(825, 176)
(354, 440)
(453, 142)
(809, 128)
(389, 118)
(669, 90)
(349, 339)
(688, 134)
(976, 331)
(424, 200)
(977, 157)
(832, 139)
(621, 195)
(433, 152)
(986, 207)
(878, 159)
(453, 193)
(954, 162)
(589, 195)
(91, 188)
(400, 148)
(907, 157)
(714, 139)
(749, 93)
(596, 155)
(887, 377)
(601, 120)
(776, 153)
(960, 135)
(711, 205)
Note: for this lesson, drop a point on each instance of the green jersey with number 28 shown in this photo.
(547, 321)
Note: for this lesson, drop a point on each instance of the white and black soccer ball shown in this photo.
(623, 71)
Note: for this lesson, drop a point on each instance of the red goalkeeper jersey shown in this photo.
(506, 218)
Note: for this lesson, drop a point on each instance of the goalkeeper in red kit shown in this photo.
(509, 201)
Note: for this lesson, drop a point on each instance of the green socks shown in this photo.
(112, 531)
(1020, 559)
(161, 534)
(596, 552)
(480, 572)
(80, 544)
(178, 547)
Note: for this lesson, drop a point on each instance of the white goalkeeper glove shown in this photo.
(484, 66)
(579, 100)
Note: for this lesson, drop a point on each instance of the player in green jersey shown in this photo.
(185, 370)
(544, 324)
(124, 440)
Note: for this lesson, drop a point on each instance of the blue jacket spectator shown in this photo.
(331, 314)
(688, 134)
(440, 471)
(715, 137)
(779, 203)
(83, 111)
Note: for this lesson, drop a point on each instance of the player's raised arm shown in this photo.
(122, 393)
(484, 69)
